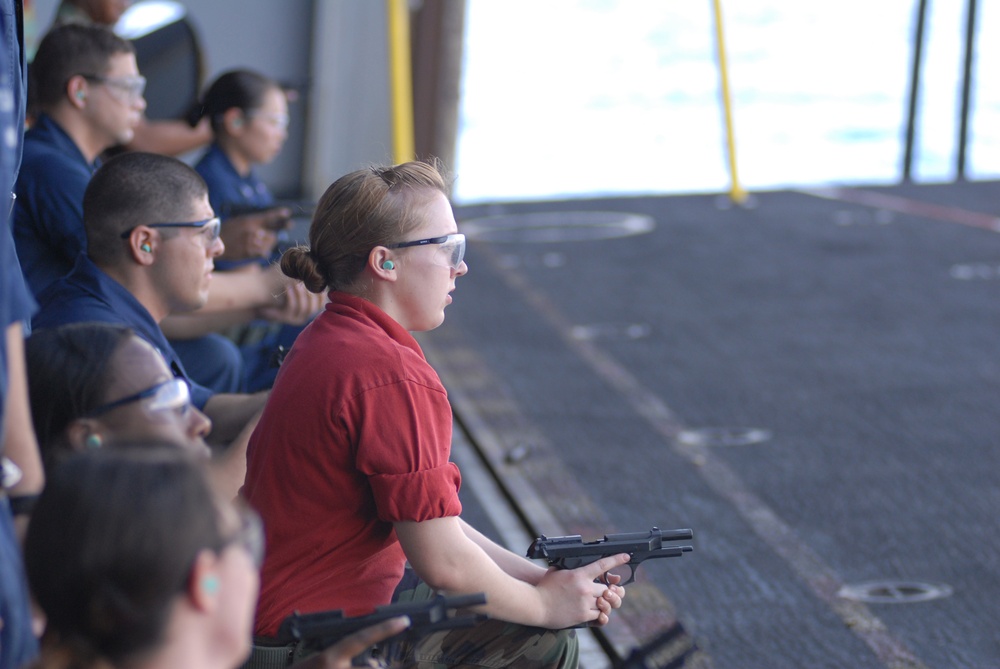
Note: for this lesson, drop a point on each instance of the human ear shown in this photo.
(233, 120)
(142, 242)
(77, 90)
(383, 263)
(83, 434)
(203, 581)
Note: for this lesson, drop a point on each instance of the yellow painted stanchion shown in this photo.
(401, 81)
(736, 192)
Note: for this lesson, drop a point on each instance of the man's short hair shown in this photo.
(136, 188)
(67, 51)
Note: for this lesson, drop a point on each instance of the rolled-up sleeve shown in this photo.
(417, 496)
(403, 447)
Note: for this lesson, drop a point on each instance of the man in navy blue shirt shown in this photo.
(152, 238)
(87, 88)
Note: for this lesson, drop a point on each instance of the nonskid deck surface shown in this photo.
(811, 384)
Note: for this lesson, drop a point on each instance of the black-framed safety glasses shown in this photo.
(171, 394)
(212, 228)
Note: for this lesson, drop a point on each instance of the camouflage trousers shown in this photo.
(492, 643)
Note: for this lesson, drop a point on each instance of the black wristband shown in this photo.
(22, 505)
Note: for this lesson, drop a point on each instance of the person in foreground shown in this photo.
(136, 562)
(349, 463)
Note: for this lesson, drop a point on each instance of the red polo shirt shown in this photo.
(355, 436)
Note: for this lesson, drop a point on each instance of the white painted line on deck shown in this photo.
(821, 579)
(903, 205)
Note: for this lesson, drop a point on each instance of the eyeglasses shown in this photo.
(213, 228)
(250, 536)
(129, 88)
(276, 121)
(452, 248)
(166, 396)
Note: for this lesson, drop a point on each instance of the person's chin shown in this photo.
(197, 302)
(201, 449)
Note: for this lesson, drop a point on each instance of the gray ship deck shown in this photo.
(811, 384)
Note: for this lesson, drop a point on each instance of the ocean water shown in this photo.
(580, 98)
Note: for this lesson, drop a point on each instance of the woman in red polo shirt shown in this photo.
(349, 464)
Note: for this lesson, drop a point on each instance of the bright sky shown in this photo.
(591, 97)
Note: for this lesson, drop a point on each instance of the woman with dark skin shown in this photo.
(93, 385)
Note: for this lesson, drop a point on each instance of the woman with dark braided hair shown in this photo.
(349, 464)
(94, 384)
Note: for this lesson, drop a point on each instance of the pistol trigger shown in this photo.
(604, 579)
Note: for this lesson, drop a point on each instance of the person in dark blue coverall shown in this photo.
(89, 97)
(248, 114)
(151, 241)
(17, 641)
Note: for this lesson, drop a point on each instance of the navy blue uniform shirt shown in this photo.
(89, 294)
(226, 188)
(18, 645)
(48, 214)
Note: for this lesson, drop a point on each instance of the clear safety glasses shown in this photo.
(451, 249)
(276, 121)
(211, 228)
(250, 535)
(170, 395)
(126, 89)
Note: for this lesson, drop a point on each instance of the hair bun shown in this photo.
(299, 263)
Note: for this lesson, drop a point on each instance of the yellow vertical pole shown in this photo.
(736, 192)
(401, 81)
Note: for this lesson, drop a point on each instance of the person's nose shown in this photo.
(217, 248)
(199, 425)
(463, 268)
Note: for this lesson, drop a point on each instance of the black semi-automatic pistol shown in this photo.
(316, 631)
(571, 551)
